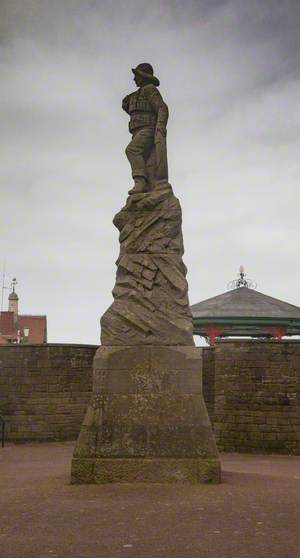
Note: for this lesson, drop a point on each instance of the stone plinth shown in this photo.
(147, 420)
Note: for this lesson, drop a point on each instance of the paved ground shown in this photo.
(254, 513)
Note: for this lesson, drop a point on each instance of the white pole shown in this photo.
(3, 286)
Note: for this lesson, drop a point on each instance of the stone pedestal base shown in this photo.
(147, 421)
(99, 471)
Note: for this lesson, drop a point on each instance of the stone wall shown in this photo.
(257, 395)
(208, 379)
(251, 389)
(44, 390)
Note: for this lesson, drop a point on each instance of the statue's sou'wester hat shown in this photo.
(145, 70)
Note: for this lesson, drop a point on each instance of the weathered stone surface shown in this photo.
(151, 305)
(82, 471)
(145, 470)
(44, 390)
(252, 388)
(150, 412)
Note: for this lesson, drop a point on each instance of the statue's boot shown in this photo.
(140, 185)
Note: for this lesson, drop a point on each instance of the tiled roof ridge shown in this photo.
(32, 315)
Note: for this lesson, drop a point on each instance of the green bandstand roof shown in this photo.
(245, 311)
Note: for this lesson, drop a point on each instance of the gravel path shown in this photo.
(254, 513)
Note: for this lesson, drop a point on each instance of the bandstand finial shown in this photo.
(241, 281)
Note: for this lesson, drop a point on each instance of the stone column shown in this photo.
(147, 420)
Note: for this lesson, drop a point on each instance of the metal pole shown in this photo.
(3, 286)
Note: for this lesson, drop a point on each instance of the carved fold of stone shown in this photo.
(150, 295)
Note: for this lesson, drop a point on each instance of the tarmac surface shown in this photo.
(255, 512)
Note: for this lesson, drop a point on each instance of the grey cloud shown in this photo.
(230, 74)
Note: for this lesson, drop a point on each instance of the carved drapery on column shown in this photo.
(150, 295)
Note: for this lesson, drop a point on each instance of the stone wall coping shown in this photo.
(278, 342)
(46, 345)
(257, 341)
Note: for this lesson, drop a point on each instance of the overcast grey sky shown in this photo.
(230, 73)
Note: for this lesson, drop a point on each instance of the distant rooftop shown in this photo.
(244, 311)
(21, 328)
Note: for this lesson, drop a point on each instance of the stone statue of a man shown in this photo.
(147, 152)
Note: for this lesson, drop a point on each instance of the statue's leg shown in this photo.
(137, 152)
(151, 168)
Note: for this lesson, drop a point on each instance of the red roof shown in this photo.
(37, 326)
(7, 326)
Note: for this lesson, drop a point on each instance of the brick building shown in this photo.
(21, 328)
